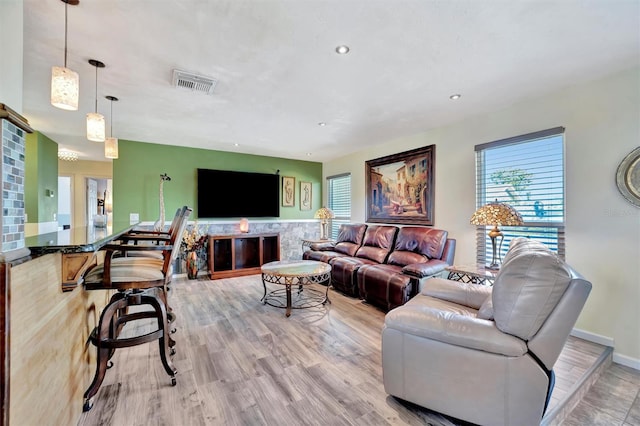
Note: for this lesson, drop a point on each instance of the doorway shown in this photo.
(99, 202)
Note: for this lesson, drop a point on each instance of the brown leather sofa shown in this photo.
(377, 244)
(389, 264)
(419, 253)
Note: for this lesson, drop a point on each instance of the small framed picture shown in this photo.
(288, 191)
(305, 195)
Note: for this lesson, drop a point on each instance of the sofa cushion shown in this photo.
(417, 244)
(350, 238)
(527, 288)
(377, 243)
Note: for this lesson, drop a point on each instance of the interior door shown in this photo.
(92, 200)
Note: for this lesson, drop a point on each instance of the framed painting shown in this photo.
(288, 191)
(400, 187)
(305, 196)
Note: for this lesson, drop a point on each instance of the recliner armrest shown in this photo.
(451, 328)
(322, 246)
(427, 269)
(471, 295)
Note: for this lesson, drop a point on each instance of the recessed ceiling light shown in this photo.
(454, 97)
(342, 49)
(322, 124)
(236, 144)
(309, 154)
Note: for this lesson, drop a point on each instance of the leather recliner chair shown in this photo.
(377, 244)
(485, 354)
(419, 253)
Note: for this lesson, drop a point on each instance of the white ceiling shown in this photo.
(279, 75)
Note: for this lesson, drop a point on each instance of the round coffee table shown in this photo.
(298, 273)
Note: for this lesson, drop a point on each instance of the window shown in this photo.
(339, 188)
(526, 172)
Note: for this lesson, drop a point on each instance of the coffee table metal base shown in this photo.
(296, 293)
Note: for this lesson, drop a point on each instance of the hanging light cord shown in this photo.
(111, 124)
(97, 89)
(65, 33)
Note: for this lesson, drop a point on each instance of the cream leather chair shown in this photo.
(485, 354)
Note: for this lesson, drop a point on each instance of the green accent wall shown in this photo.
(41, 175)
(136, 178)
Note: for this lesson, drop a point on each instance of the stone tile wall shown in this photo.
(13, 169)
(291, 235)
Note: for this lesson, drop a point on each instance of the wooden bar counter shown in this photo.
(45, 321)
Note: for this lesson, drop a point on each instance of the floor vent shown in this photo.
(194, 82)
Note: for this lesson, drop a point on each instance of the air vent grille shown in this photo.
(194, 82)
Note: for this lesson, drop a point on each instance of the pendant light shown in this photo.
(95, 121)
(65, 83)
(111, 143)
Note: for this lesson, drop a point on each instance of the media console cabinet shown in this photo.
(241, 254)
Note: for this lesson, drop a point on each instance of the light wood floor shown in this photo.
(243, 363)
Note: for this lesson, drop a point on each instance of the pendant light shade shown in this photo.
(95, 121)
(111, 143)
(95, 127)
(65, 83)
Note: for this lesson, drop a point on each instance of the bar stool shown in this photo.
(138, 282)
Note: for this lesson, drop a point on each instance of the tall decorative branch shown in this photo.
(159, 225)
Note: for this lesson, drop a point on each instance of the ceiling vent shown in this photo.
(194, 82)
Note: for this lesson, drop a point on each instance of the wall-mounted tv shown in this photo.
(226, 193)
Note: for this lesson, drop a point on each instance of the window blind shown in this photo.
(339, 201)
(526, 172)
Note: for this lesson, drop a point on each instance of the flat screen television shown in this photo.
(226, 193)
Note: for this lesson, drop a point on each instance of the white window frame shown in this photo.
(549, 229)
(339, 201)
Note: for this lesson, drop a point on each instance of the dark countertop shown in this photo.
(76, 240)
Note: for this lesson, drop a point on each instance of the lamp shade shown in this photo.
(95, 127)
(111, 148)
(497, 214)
(324, 213)
(65, 88)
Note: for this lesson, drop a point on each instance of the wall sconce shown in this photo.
(95, 121)
(244, 225)
(65, 83)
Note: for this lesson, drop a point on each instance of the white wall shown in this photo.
(602, 121)
(11, 48)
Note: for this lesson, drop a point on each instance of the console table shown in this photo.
(241, 254)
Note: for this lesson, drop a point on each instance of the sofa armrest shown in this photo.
(454, 329)
(322, 246)
(471, 295)
(426, 269)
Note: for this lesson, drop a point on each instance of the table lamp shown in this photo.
(495, 214)
(323, 214)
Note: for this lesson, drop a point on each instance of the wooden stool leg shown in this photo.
(164, 340)
(104, 331)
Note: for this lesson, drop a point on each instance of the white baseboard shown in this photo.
(592, 337)
(625, 360)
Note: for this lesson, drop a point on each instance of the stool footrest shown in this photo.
(124, 342)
